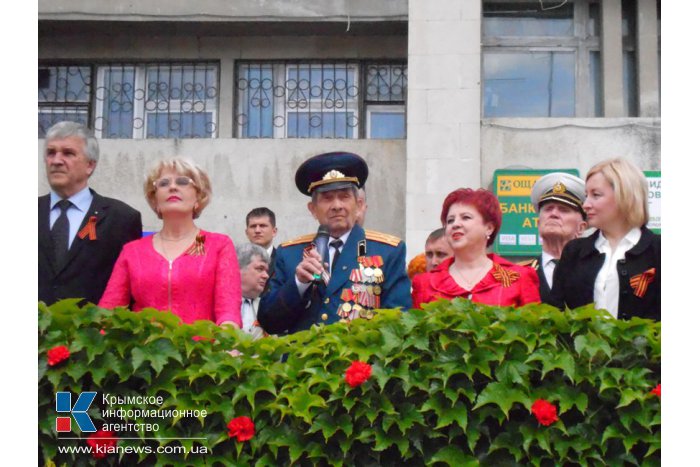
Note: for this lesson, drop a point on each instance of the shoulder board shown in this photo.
(303, 239)
(533, 263)
(382, 237)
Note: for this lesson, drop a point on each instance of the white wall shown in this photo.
(546, 143)
(250, 173)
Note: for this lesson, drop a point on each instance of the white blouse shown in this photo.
(606, 292)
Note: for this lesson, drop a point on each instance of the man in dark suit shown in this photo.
(363, 271)
(558, 198)
(80, 232)
(261, 228)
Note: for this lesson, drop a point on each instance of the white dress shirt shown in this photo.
(606, 291)
(548, 265)
(331, 253)
(249, 315)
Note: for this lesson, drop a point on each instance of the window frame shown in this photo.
(384, 108)
(95, 104)
(581, 43)
(279, 100)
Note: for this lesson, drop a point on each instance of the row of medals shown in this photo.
(365, 290)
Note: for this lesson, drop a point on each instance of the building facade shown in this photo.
(434, 94)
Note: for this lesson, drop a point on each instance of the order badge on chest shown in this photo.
(363, 296)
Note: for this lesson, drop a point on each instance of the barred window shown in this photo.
(134, 100)
(321, 100)
(64, 94)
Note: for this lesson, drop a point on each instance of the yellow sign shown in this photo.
(516, 185)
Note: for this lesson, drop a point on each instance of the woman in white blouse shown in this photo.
(618, 267)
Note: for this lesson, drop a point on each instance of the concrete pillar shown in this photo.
(226, 98)
(611, 57)
(444, 109)
(648, 58)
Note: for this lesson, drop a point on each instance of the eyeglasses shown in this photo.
(181, 181)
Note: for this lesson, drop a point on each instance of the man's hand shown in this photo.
(310, 266)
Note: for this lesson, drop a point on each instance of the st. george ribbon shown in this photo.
(321, 245)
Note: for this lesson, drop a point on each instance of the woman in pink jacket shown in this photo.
(180, 268)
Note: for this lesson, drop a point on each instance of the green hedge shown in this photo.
(453, 384)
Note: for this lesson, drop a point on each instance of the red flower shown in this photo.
(358, 373)
(58, 354)
(657, 391)
(201, 338)
(100, 442)
(545, 412)
(242, 428)
(102, 331)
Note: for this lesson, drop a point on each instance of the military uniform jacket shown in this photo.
(639, 274)
(283, 310)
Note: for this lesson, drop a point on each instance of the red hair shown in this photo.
(417, 265)
(485, 203)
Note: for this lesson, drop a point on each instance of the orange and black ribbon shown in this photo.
(505, 276)
(197, 248)
(640, 282)
(90, 229)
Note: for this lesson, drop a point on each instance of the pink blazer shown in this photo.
(199, 285)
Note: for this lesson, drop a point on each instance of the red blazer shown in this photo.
(506, 284)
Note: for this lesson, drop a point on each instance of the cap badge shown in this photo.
(333, 174)
(559, 188)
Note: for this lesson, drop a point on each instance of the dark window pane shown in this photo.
(388, 125)
(528, 19)
(64, 84)
(596, 84)
(594, 20)
(629, 18)
(529, 84)
(630, 89)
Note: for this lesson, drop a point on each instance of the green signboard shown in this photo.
(518, 235)
(654, 178)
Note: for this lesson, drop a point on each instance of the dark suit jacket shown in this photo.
(545, 291)
(282, 309)
(89, 263)
(574, 277)
(272, 256)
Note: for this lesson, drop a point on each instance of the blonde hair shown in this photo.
(630, 186)
(181, 167)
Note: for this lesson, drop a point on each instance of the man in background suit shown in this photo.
(253, 263)
(80, 232)
(558, 198)
(261, 228)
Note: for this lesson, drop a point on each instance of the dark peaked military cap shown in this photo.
(331, 171)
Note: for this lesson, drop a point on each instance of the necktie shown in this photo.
(59, 232)
(337, 244)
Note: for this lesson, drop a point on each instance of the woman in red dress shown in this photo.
(472, 219)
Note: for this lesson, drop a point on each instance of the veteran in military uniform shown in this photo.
(558, 198)
(365, 270)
